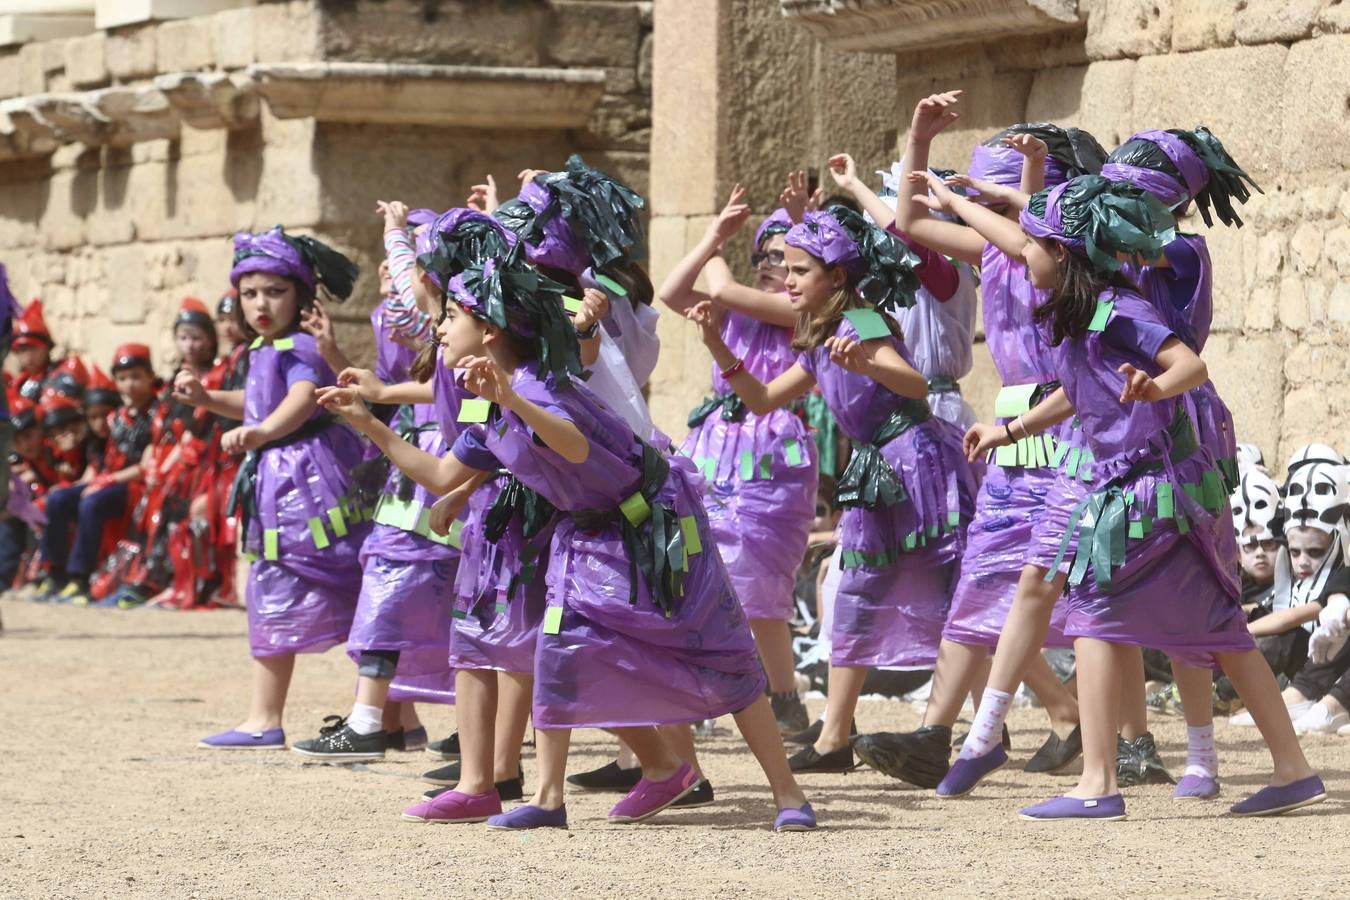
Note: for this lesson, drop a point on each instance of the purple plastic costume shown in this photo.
(1164, 578)
(498, 596)
(601, 661)
(1014, 523)
(761, 473)
(304, 582)
(408, 571)
(898, 560)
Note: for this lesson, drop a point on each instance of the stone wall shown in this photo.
(1270, 78)
(112, 235)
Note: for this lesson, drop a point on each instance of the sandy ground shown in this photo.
(103, 793)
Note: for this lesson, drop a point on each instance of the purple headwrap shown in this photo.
(1050, 225)
(269, 252)
(558, 248)
(821, 235)
(1188, 163)
(1159, 184)
(1003, 165)
(778, 222)
(428, 239)
(419, 217)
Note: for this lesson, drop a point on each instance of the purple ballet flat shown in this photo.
(966, 774)
(526, 816)
(271, 739)
(1196, 787)
(650, 797)
(1104, 809)
(1273, 800)
(455, 808)
(802, 818)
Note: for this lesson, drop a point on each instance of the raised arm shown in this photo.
(489, 381)
(370, 389)
(931, 116)
(402, 314)
(758, 397)
(677, 291)
(728, 293)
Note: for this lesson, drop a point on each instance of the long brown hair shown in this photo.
(812, 329)
(1073, 302)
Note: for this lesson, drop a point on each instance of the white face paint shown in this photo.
(1256, 507)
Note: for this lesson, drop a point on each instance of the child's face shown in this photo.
(195, 346)
(65, 438)
(810, 284)
(459, 335)
(1042, 262)
(135, 385)
(33, 357)
(28, 443)
(228, 329)
(1257, 558)
(425, 291)
(771, 270)
(96, 419)
(386, 280)
(1307, 548)
(269, 303)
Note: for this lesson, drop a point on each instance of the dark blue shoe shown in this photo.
(1272, 800)
(526, 817)
(1103, 809)
(966, 774)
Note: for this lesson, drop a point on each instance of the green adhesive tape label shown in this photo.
(635, 509)
(792, 451)
(868, 323)
(1102, 315)
(1165, 505)
(553, 620)
(338, 521)
(270, 543)
(611, 285)
(474, 410)
(572, 305)
(1013, 400)
(747, 465)
(693, 544)
(317, 534)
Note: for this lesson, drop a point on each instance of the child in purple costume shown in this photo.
(908, 492)
(761, 469)
(1147, 569)
(633, 590)
(293, 491)
(1004, 564)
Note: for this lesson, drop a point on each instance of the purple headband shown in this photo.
(1192, 168)
(1003, 165)
(778, 222)
(821, 235)
(458, 290)
(1159, 184)
(557, 248)
(1051, 226)
(269, 252)
(446, 223)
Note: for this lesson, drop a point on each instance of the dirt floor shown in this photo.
(103, 793)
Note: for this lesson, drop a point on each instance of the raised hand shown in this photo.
(484, 378)
(848, 353)
(395, 213)
(1139, 386)
(982, 438)
(594, 307)
(345, 402)
(732, 217)
(816, 199)
(187, 388)
(934, 113)
(365, 382)
(795, 195)
(708, 318)
(315, 322)
(1028, 145)
(844, 171)
(483, 197)
(986, 189)
(931, 191)
(525, 176)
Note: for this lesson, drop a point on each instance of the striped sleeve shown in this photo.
(402, 314)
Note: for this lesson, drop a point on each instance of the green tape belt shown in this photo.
(733, 409)
(243, 493)
(652, 537)
(1102, 521)
(941, 384)
(868, 480)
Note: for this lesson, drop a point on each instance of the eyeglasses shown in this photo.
(1270, 546)
(774, 258)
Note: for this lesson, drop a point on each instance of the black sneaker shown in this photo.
(338, 743)
(920, 757)
(1154, 770)
(446, 749)
(608, 777)
(807, 761)
(1056, 753)
(446, 775)
(790, 712)
(699, 796)
(510, 789)
(811, 735)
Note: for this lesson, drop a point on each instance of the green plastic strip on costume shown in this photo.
(1006, 456)
(953, 518)
(553, 620)
(911, 540)
(1014, 400)
(283, 344)
(317, 534)
(1102, 315)
(766, 467)
(270, 544)
(1057, 455)
(1211, 484)
(1071, 467)
(635, 509)
(1165, 504)
(792, 451)
(474, 411)
(1085, 466)
(693, 544)
(571, 304)
(747, 465)
(455, 537)
(457, 613)
(502, 606)
(339, 523)
(250, 556)
(612, 286)
(868, 323)
(423, 529)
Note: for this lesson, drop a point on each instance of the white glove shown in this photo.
(1332, 630)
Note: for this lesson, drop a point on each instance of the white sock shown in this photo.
(987, 731)
(365, 719)
(1201, 756)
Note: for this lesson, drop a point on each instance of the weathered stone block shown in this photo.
(1306, 246)
(130, 52)
(286, 32)
(125, 267)
(1226, 90)
(1266, 21)
(685, 109)
(594, 34)
(1096, 97)
(1203, 24)
(11, 78)
(1246, 370)
(85, 61)
(186, 45)
(32, 78)
(1292, 306)
(234, 38)
(1117, 28)
(1316, 116)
